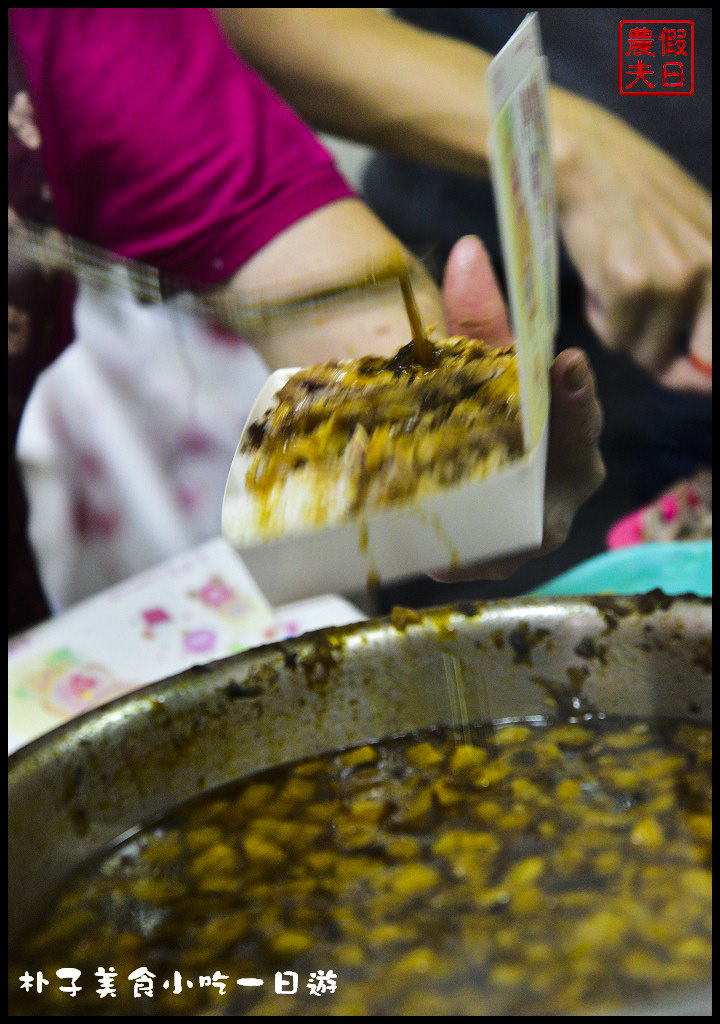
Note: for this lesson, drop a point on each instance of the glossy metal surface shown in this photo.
(85, 784)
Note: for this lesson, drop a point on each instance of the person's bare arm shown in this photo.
(365, 75)
(338, 242)
(637, 227)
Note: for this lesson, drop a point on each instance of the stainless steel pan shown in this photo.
(83, 785)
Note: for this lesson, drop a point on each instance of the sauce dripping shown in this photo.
(422, 348)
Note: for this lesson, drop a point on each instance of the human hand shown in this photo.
(475, 307)
(638, 229)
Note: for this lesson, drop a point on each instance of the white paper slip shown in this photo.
(524, 188)
(193, 608)
(198, 607)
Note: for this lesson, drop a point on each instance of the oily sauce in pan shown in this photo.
(533, 868)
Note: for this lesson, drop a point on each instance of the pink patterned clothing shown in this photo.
(159, 143)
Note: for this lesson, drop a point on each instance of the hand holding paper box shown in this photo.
(473, 519)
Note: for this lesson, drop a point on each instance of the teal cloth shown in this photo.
(677, 567)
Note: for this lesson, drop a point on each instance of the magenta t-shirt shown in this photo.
(160, 144)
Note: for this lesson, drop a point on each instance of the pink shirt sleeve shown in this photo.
(160, 144)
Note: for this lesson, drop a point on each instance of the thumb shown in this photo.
(474, 304)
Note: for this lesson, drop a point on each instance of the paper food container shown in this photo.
(481, 519)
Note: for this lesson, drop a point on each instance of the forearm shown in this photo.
(365, 75)
(337, 243)
(362, 74)
(637, 227)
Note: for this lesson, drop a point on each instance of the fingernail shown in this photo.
(577, 375)
(466, 250)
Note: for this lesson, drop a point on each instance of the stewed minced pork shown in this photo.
(368, 433)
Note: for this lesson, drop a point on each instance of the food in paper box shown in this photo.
(344, 438)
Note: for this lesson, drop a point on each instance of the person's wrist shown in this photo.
(576, 125)
(565, 110)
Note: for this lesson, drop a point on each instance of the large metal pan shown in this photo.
(83, 785)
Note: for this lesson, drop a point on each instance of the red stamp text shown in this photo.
(656, 58)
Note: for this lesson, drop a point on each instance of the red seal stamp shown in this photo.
(656, 58)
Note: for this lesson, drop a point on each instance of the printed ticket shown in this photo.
(523, 184)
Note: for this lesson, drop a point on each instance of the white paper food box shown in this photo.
(478, 520)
